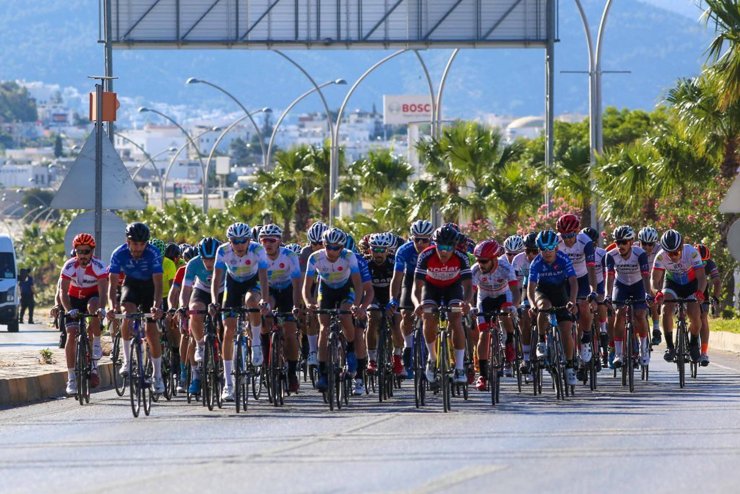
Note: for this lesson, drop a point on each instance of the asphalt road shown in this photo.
(660, 439)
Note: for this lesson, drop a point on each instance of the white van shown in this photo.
(8, 285)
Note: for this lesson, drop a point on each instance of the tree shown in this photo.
(16, 105)
(725, 14)
(58, 149)
(239, 152)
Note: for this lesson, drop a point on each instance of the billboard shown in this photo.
(405, 109)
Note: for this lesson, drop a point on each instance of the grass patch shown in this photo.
(729, 325)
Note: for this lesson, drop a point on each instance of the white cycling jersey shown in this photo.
(581, 254)
(682, 271)
(241, 268)
(283, 269)
(627, 271)
(496, 283)
(333, 274)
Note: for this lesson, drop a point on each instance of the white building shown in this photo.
(25, 175)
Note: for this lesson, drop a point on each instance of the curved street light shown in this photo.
(150, 159)
(218, 141)
(177, 153)
(193, 80)
(290, 107)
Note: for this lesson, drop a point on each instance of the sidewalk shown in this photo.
(25, 377)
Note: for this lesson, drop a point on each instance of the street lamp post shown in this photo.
(150, 159)
(218, 141)
(177, 153)
(193, 80)
(290, 107)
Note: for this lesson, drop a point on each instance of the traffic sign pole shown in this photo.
(99, 168)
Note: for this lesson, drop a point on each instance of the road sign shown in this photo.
(405, 109)
(733, 240)
(78, 188)
(114, 232)
(731, 202)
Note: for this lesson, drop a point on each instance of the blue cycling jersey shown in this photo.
(364, 268)
(406, 258)
(551, 274)
(150, 263)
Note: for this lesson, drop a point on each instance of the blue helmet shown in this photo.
(547, 240)
(350, 244)
(207, 247)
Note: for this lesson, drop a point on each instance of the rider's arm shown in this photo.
(369, 295)
(589, 251)
(217, 280)
(358, 287)
(157, 279)
(396, 282)
(112, 286)
(264, 284)
(701, 278)
(516, 293)
(63, 295)
(416, 295)
(173, 296)
(308, 283)
(573, 282)
(657, 279)
(467, 285)
(103, 291)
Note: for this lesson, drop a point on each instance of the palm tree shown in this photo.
(515, 193)
(725, 14)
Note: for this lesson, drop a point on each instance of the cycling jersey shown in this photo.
(630, 270)
(543, 273)
(332, 274)
(433, 271)
(581, 253)
(496, 283)
(179, 276)
(197, 276)
(303, 257)
(143, 268)
(83, 281)
(241, 268)
(406, 258)
(599, 264)
(283, 269)
(169, 270)
(381, 277)
(365, 275)
(520, 264)
(683, 271)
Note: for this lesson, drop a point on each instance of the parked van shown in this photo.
(9, 297)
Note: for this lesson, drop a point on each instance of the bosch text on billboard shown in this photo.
(405, 109)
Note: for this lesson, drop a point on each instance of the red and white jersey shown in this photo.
(494, 283)
(83, 280)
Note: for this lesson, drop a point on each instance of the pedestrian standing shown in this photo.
(27, 294)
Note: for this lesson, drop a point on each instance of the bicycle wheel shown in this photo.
(119, 383)
(444, 363)
(238, 374)
(207, 377)
(631, 363)
(331, 376)
(275, 387)
(343, 377)
(218, 374)
(381, 363)
(419, 378)
(681, 354)
(166, 370)
(146, 388)
(134, 377)
(189, 374)
(494, 364)
(518, 357)
(595, 359)
(80, 367)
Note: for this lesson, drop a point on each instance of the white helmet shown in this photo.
(648, 235)
(335, 236)
(422, 228)
(271, 230)
(239, 230)
(295, 248)
(514, 244)
(381, 240)
(316, 232)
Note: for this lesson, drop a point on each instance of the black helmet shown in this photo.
(188, 253)
(207, 247)
(671, 241)
(446, 235)
(591, 233)
(530, 241)
(172, 251)
(256, 231)
(138, 232)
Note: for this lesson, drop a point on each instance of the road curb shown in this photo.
(22, 390)
(725, 341)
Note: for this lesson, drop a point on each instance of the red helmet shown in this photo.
(487, 249)
(703, 252)
(568, 223)
(83, 239)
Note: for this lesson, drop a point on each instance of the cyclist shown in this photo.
(339, 285)
(601, 309)
(141, 264)
(284, 278)
(580, 249)
(553, 283)
(648, 237)
(629, 277)
(521, 264)
(83, 287)
(185, 350)
(315, 242)
(368, 294)
(678, 272)
(402, 283)
(710, 269)
(513, 245)
(241, 265)
(443, 277)
(196, 294)
(381, 269)
(497, 289)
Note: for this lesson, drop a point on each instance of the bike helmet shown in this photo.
(334, 236)
(398, 241)
(172, 251)
(256, 231)
(83, 239)
(422, 228)
(189, 253)
(623, 232)
(349, 244)
(271, 230)
(530, 241)
(648, 235)
(295, 248)
(364, 243)
(382, 240)
(671, 241)
(591, 233)
(239, 230)
(487, 249)
(547, 240)
(513, 244)
(137, 232)
(159, 245)
(207, 247)
(453, 225)
(568, 223)
(446, 235)
(703, 252)
(316, 232)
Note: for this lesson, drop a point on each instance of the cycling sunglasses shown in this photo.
(422, 240)
(484, 261)
(333, 247)
(445, 248)
(622, 242)
(647, 244)
(239, 241)
(83, 252)
(379, 250)
(568, 235)
(269, 240)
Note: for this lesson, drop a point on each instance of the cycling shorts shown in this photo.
(80, 304)
(584, 288)
(557, 294)
(407, 302)
(201, 296)
(283, 299)
(635, 291)
(332, 298)
(237, 290)
(493, 304)
(680, 291)
(138, 292)
(434, 295)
